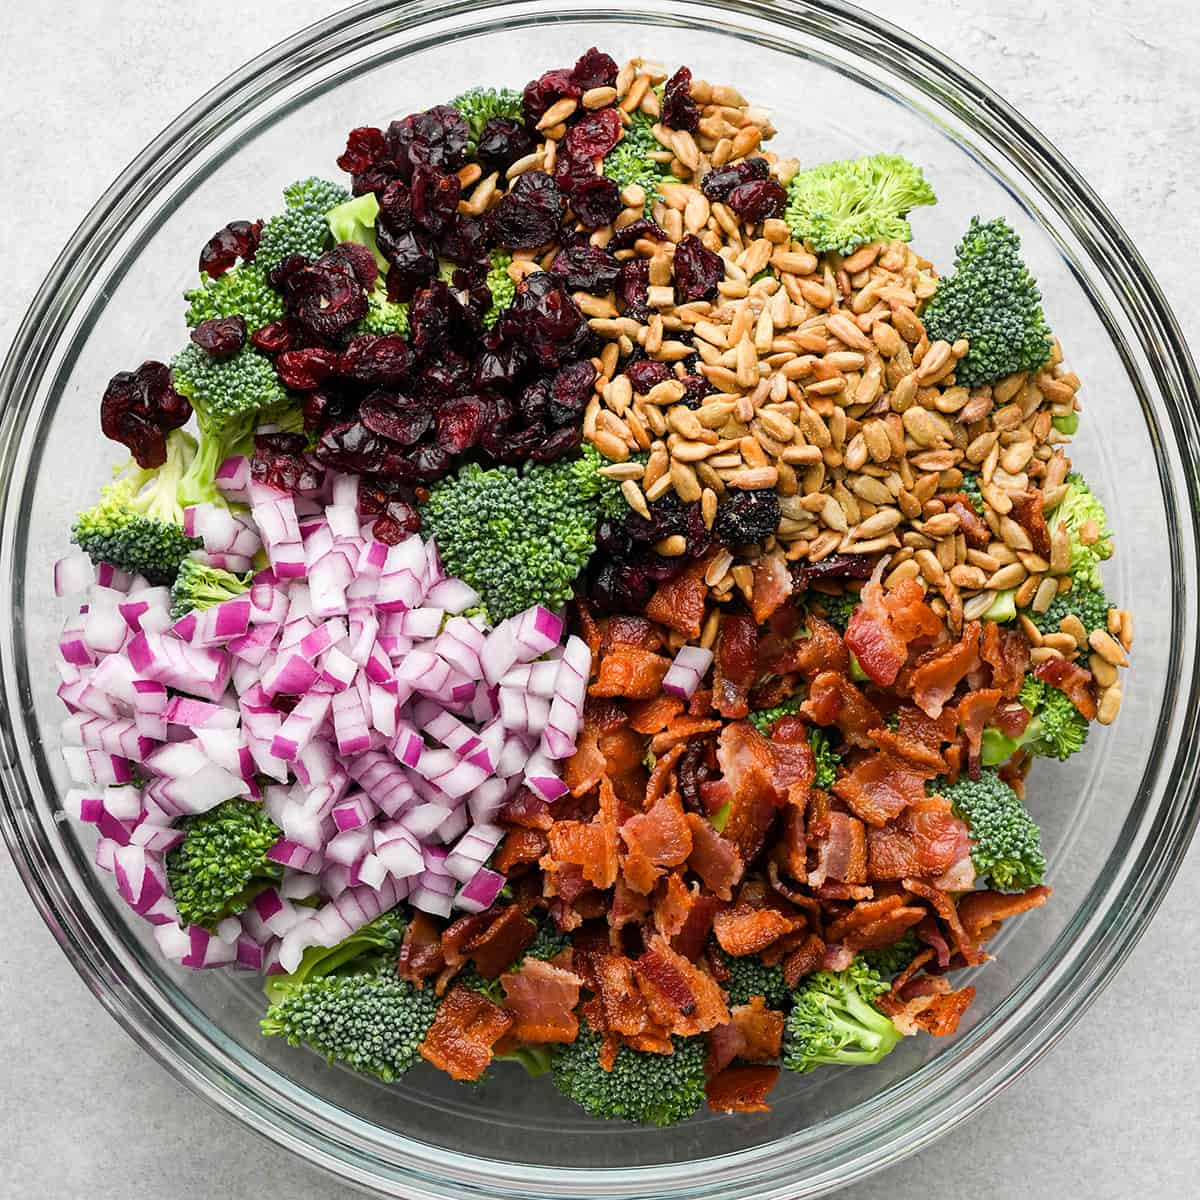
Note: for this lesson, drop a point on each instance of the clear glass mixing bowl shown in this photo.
(839, 82)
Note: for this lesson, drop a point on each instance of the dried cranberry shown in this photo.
(270, 339)
(392, 530)
(392, 505)
(679, 110)
(597, 202)
(448, 375)
(573, 170)
(437, 137)
(647, 373)
(327, 299)
(461, 423)
(357, 259)
(279, 461)
(465, 242)
(533, 403)
(570, 391)
(395, 417)
(287, 274)
(429, 462)
(351, 446)
(758, 200)
(303, 370)
(238, 239)
(560, 442)
(434, 198)
(633, 288)
(546, 320)
(413, 261)
(220, 337)
(500, 363)
(697, 270)
(695, 388)
(836, 566)
(139, 408)
(395, 208)
(542, 92)
(643, 227)
(378, 361)
(587, 268)
(374, 179)
(594, 69)
(595, 134)
(747, 517)
(323, 407)
(718, 183)
(512, 445)
(433, 313)
(364, 148)
(530, 213)
(501, 143)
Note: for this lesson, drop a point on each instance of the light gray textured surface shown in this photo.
(1111, 1112)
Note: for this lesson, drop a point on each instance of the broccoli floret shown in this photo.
(222, 861)
(843, 205)
(827, 759)
(354, 221)
(970, 488)
(1086, 522)
(629, 162)
(242, 291)
(384, 315)
(653, 1089)
(993, 302)
(837, 610)
(518, 538)
(1003, 607)
(138, 523)
(478, 105)
(1056, 727)
(889, 961)
(1089, 605)
(548, 943)
(199, 587)
(749, 976)
(1006, 844)
(834, 1020)
(301, 227)
(230, 399)
(762, 719)
(500, 285)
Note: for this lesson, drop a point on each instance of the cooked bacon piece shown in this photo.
(733, 673)
(791, 846)
(673, 904)
(627, 630)
(975, 712)
(1006, 651)
(622, 1008)
(747, 766)
(679, 603)
(498, 946)
(715, 860)
(590, 845)
(772, 586)
(420, 954)
(804, 960)
(630, 672)
(917, 737)
(563, 881)
(958, 877)
(820, 809)
(887, 930)
(822, 650)
(457, 935)
(588, 629)
(941, 1018)
(863, 913)
(1027, 512)
(882, 626)
(542, 999)
(928, 1003)
(680, 997)
(970, 523)
(725, 1043)
(943, 905)
(655, 840)
(462, 1035)
(691, 940)
(938, 672)
(628, 907)
(834, 700)
(520, 846)
(795, 766)
(624, 753)
(582, 771)
(660, 781)
(653, 716)
(982, 912)
(761, 1029)
(924, 840)
(842, 853)
(527, 810)
(682, 729)
(1011, 718)
(1073, 680)
(744, 930)
(878, 787)
(741, 1089)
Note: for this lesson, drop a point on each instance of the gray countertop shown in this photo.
(1109, 1113)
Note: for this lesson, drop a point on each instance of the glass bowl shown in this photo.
(839, 82)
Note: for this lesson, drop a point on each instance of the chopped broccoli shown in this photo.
(354, 221)
(230, 399)
(199, 587)
(347, 1003)
(827, 759)
(518, 538)
(1003, 607)
(242, 291)
(1088, 604)
(889, 961)
(629, 162)
(762, 719)
(500, 285)
(478, 105)
(1005, 840)
(834, 1020)
(837, 610)
(993, 302)
(314, 195)
(1056, 728)
(301, 227)
(138, 523)
(222, 862)
(536, 1059)
(1067, 423)
(970, 488)
(749, 976)
(1086, 522)
(654, 1089)
(843, 205)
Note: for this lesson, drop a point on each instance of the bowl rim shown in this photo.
(1063, 992)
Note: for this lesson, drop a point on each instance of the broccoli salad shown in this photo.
(587, 595)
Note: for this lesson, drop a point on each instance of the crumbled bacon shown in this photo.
(842, 853)
(682, 729)
(772, 585)
(542, 999)
(982, 912)
(653, 716)
(679, 603)
(661, 779)
(420, 955)
(713, 859)
(741, 1089)
(589, 845)
(804, 960)
(822, 650)
(654, 840)
(631, 672)
(672, 906)
(734, 665)
(917, 737)
(692, 939)
(878, 787)
(882, 626)
(507, 934)
(520, 846)
(975, 712)
(939, 671)
(748, 766)
(1027, 512)
(1006, 651)
(1071, 679)
(944, 906)
(970, 523)
(834, 700)
(791, 845)
(761, 1030)
(681, 997)
(462, 1035)
(924, 840)
(744, 930)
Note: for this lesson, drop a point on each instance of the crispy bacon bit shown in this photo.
(748, 766)
(883, 625)
(673, 904)
(943, 905)
(587, 627)
(822, 650)
(622, 1008)
(629, 631)
(795, 766)
(462, 1035)
(653, 716)
(421, 950)
(741, 1089)
(583, 769)
(1072, 679)
(1027, 512)
(744, 930)
(975, 711)
(925, 840)
(878, 787)
(842, 853)
(679, 603)
(725, 1043)
(520, 846)
(982, 912)
(460, 932)
(527, 810)
(938, 672)
(542, 999)
(1007, 652)
(691, 940)
(941, 1018)
(653, 841)
(736, 652)
(790, 851)
(682, 998)
(715, 860)
(682, 729)
(660, 781)
(496, 947)
(631, 672)
(917, 737)
(973, 526)
(628, 907)
(887, 930)
(589, 845)
(834, 700)
(772, 587)
(804, 960)
(761, 1029)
